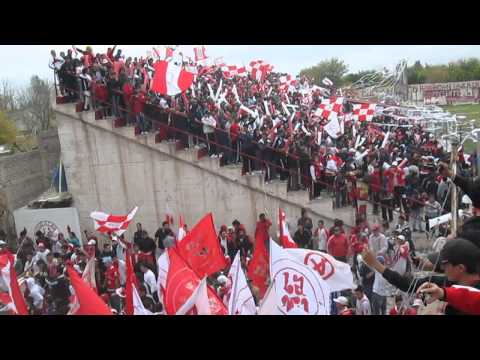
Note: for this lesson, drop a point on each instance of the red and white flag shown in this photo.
(363, 112)
(286, 82)
(201, 249)
(170, 79)
(337, 274)
(133, 302)
(107, 223)
(299, 290)
(12, 299)
(198, 303)
(233, 70)
(240, 300)
(329, 108)
(88, 274)
(87, 301)
(259, 69)
(181, 229)
(285, 237)
(181, 283)
(200, 53)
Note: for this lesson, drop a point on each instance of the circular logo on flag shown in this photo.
(48, 228)
(299, 290)
(320, 264)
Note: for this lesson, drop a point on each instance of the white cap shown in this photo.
(466, 200)
(341, 300)
(401, 237)
(395, 163)
(92, 242)
(222, 279)
(2, 243)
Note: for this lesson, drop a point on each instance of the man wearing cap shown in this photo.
(341, 303)
(459, 259)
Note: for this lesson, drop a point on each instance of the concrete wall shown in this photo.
(24, 176)
(111, 170)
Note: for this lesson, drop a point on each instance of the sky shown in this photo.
(19, 62)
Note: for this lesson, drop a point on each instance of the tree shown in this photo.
(34, 101)
(334, 69)
(7, 97)
(8, 132)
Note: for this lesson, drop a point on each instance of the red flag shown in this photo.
(15, 300)
(129, 284)
(258, 267)
(201, 249)
(89, 302)
(285, 237)
(181, 283)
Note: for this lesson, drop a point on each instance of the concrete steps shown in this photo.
(276, 188)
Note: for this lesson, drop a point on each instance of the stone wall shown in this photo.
(110, 170)
(24, 176)
(443, 93)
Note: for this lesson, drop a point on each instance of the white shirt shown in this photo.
(378, 243)
(380, 285)
(209, 124)
(331, 165)
(322, 239)
(150, 281)
(363, 306)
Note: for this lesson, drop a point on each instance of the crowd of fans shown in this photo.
(402, 176)
(398, 177)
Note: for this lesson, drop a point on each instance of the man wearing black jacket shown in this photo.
(459, 258)
(162, 233)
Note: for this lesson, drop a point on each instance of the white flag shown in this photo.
(241, 300)
(138, 308)
(163, 264)
(333, 127)
(336, 274)
(270, 304)
(299, 289)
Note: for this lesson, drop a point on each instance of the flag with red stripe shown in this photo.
(200, 53)
(107, 223)
(285, 237)
(170, 79)
(12, 299)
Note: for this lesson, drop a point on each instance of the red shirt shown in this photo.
(337, 245)
(138, 103)
(112, 277)
(234, 131)
(127, 92)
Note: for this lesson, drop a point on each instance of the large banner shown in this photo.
(47, 220)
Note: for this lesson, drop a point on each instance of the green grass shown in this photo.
(471, 112)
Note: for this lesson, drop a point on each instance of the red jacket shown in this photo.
(358, 243)
(138, 103)
(337, 245)
(464, 299)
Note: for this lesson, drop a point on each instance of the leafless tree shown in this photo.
(34, 104)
